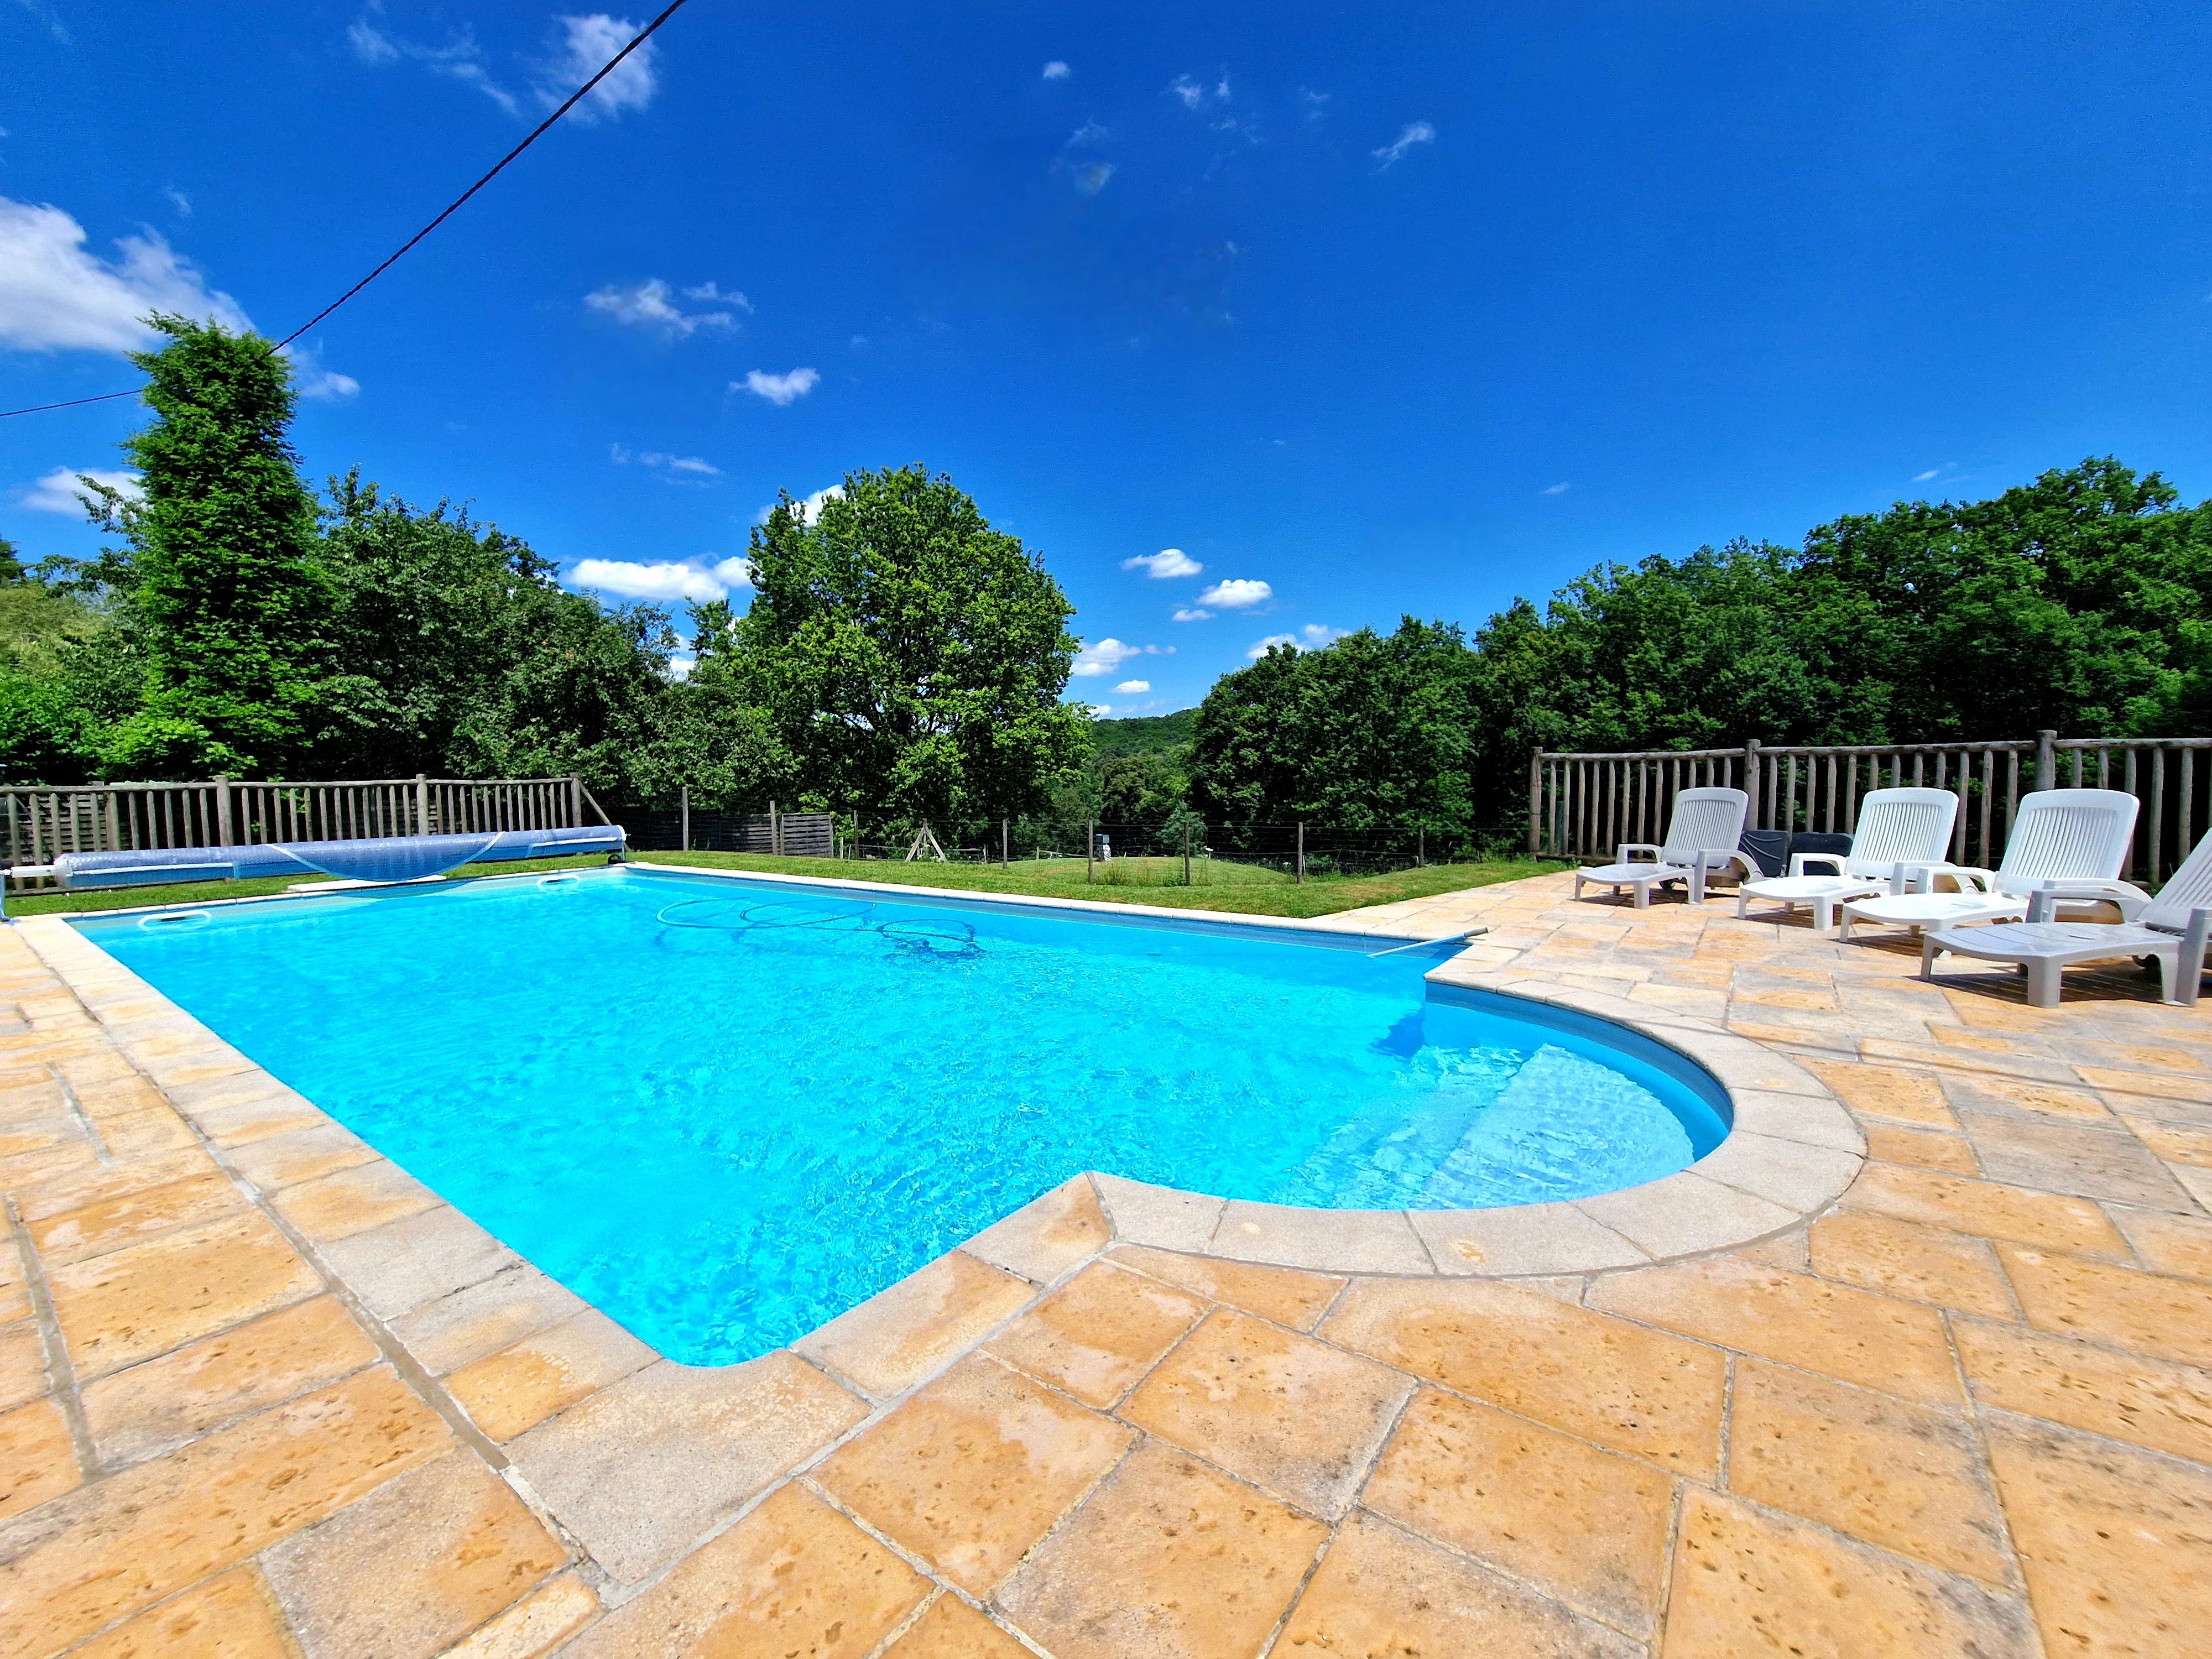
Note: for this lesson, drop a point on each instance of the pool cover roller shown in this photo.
(394, 858)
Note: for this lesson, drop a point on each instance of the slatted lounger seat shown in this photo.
(2077, 839)
(2172, 928)
(1702, 837)
(1901, 834)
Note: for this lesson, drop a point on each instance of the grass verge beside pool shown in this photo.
(1217, 884)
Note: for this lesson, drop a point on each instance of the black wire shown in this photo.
(536, 132)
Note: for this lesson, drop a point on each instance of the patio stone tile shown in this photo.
(1047, 1235)
(1099, 1333)
(1621, 1385)
(1748, 1584)
(1906, 1259)
(2168, 1243)
(162, 1403)
(1896, 1346)
(1366, 1241)
(37, 1460)
(1160, 1217)
(1805, 1118)
(1904, 1477)
(1168, 1559)
(408, 1263)
(1683, 998)
(109, 1182)
(793, 1578)
(105, 1550)
(2186, 1086)
(278, 1112)
(1286, 1295)
(1293, 1416)
(109, 1223)
(1379, 1591)
(973, 1470)
(1530, 1238)
(132, 1303)
(60, 1130)
(482, 1318)
(900, 1335)
(641, 1469)
(226, 1617)
(2197, 1182)
(48, 1163)
(1924, 1149)
(417, 1564)
(534, 1625)
(2116, 1543)
(1584, 1525)
(274, 1162)
(513, 1391)
(950, 1629)
(2105, 1163)
(1885, 1091)
(2176, 1144)
(1785, 1172)
(1685, 1213)
(1985, 1092)
(1954, 1036)
(2149, 1313)
(336, 1207)
(22, 1360)
(1987, 1209)
(2123, 1396)
(143, 1135)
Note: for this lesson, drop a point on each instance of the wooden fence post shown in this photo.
(221, 811)
(775, 830)
(423, 802)
(683, 808)
(1186, 851)
(1536, 800)
(2046, 760)
(1751, 781)
(1302, 851)
(1090, 842)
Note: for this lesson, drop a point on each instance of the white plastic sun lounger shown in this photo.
(1901, 835)
(2076, 839)
(2173, 928)
(1701, 837)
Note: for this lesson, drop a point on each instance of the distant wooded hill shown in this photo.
(1151, 734)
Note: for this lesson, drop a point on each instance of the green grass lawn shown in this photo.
(1215, 884)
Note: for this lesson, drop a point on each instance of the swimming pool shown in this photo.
(725, 1112)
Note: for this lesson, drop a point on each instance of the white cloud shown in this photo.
(1056, 71)
(694, 465)
(1089, 133)
(1237, 594)
(1923, 477)
(1090, 179)
(1312, 637)
(810, 509)
(59, 490)
(1097, 661)
(1101, 710)
(1131, 688)
(586, 42)
(1195, 94)
(729, 297)
(779, 389)
(1169, 561)
(1414, 132)
(646, 305)
(56, 297)
(311, 380)
(179, 200)
(457, 60)
(1557, 488)
(664, 583)
(679, 668)
(1191, 613)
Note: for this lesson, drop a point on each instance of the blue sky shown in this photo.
(1358, 311)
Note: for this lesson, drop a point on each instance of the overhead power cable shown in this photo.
(452, 208)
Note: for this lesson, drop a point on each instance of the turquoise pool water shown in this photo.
(724, 1113)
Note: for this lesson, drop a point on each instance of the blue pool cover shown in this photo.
(388, 858)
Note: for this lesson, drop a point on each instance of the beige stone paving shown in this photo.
(261, 1395)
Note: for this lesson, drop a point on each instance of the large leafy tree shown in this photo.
(910, 658)
(219, 580)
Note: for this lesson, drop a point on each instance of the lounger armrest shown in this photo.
(1917, 875)
(1833, 860)
(2128, 898)
(1711, 859)
(1620, 853)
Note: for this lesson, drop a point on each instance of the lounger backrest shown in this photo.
(1899, 826)
(2189, 888)
(2060, 833)
(1705, 820)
